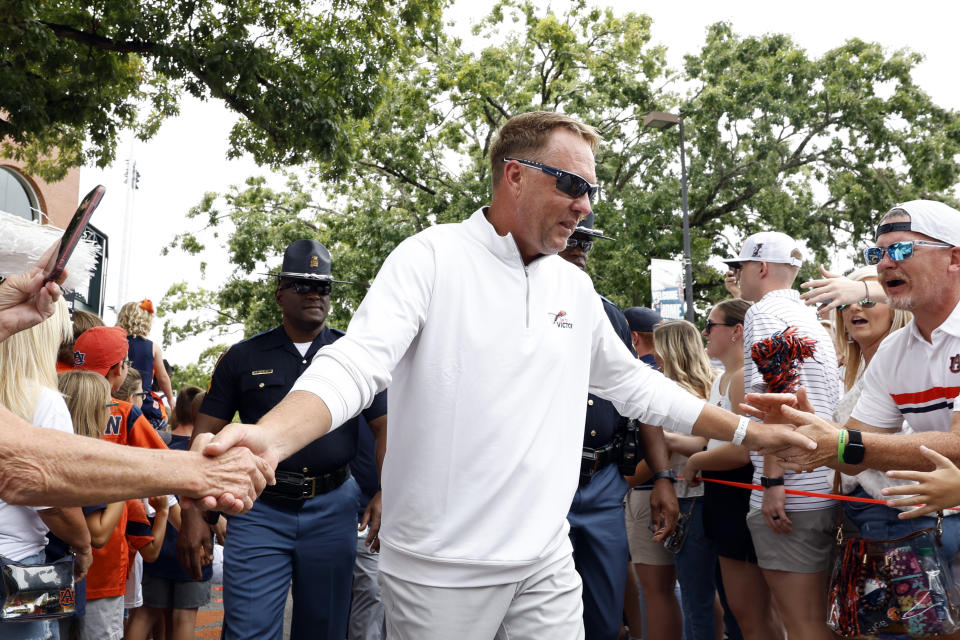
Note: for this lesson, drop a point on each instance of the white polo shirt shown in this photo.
(912, 379)
(819, 375)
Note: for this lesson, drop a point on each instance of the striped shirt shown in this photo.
(819, 375)
(912, 379)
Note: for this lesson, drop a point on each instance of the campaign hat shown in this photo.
(306, 260)
(585, 228)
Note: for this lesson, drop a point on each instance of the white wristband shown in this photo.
(741, 431)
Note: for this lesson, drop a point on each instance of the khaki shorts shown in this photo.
(807, 549)
(643, 549)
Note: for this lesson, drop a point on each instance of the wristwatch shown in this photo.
(853, 450)
(766, 482)
(666, 473)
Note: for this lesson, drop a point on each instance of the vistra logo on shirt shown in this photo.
(561, 319)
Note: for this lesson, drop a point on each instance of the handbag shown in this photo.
(31, 592)
(675, 542)
(899, 586)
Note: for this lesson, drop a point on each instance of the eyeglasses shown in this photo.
(142, 393)
(110, 405)
(866, 304)
(711, 324)
(569, 183)
(322, 287)
(584, 243)
(125, 362)
(898, 250)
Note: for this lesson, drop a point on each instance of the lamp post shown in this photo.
(662, 120)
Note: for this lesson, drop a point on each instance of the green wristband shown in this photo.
(841, 444)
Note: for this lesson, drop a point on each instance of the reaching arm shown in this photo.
(151, 550)
(101, 523)
(160, 373)
(835, 290)
(48, 467)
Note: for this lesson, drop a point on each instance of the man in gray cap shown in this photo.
(304, 527)
(597, 527)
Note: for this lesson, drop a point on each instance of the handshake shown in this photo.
(232, 469)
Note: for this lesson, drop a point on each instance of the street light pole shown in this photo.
(662, 120)
(688, 267)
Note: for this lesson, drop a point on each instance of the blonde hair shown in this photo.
(852, 356)
(129, 385)
(87, 395)
(526, 135)
(685, 361)
(135, 320)
(28, 360)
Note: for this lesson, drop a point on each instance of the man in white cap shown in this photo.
(792, 533)
(914, 376)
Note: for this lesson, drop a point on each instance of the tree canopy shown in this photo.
(775, 139)
(74, 73)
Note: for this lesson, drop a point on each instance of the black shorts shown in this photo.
(725, 514)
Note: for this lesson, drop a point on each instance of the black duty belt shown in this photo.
(293, 489)
(594, 460)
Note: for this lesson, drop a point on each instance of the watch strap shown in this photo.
(666, 473)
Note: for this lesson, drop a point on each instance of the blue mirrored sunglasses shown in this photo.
(898, 250)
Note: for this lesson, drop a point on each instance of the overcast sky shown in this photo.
(187, 157)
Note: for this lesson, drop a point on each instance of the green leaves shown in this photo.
(74, 73)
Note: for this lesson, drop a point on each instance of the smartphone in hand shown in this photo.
(72, 234)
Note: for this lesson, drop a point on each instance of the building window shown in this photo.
(17, 196)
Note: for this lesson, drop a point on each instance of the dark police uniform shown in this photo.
(597, 528)
(305, 528)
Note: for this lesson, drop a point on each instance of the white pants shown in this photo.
(548, 604)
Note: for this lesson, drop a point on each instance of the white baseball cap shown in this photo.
(768, 246)
(929, 217)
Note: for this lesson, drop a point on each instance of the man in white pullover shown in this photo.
(488, 342)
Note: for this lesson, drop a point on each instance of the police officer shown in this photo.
(305, 527)
(597, 529)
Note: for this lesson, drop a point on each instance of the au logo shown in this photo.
(314, 262)
(955, 363)
(78, 358)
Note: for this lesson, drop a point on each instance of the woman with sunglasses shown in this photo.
(725, 507)
(861, 327)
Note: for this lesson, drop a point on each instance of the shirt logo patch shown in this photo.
(261, 372)
(955, 363)
(561, 319)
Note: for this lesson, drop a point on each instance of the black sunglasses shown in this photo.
(711, 324)
(585, 243)
(569, 183)
(322, 287)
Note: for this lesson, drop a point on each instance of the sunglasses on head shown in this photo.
(322, 287)
(898, 250)
(584, 243)
(569, 183)
(711, 324)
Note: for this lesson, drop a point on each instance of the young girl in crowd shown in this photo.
(172, 598)
(679, 350)
(136, 318)
(725, 508)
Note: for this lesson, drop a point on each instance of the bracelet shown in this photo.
(841, 444)
(741, 431)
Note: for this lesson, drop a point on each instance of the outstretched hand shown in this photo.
(936, 490)
(237, 464)
(25, 299)
(833, 290)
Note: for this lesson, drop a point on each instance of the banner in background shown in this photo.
(666, 288)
